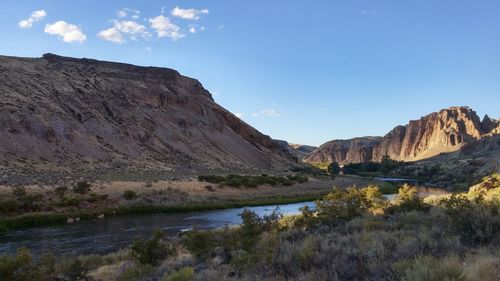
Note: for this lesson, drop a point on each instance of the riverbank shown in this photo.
(49, 205)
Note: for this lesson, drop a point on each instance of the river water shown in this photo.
(102, 236)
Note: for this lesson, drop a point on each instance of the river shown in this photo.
(106, 235)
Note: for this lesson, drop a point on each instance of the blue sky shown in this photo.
(303, 71)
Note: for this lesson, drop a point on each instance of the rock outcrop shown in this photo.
(67, 114)
(298, 150)
(440, 132)
(345, 151)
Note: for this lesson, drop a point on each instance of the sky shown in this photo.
(302, 71)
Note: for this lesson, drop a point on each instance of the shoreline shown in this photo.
(49, 218)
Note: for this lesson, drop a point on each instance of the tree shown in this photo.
(333, 169)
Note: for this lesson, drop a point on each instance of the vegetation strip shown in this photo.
(45, 219)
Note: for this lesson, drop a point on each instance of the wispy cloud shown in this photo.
(68, 32)
(239, 114)
(269, 112)
(34, 17)
(188, 14)
(125, 12)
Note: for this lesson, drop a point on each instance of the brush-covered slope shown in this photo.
(66, 114)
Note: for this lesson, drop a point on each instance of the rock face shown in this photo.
(439, 132)
(344, 151)
(298, 150)
(65, 114)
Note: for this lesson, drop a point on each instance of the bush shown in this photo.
(409, 200)
(184, 274)
(19, 192)
(94, 197)
(61, 190)
(138, 272)
(129, 194)
(342, 205)
(234, 180)
(82, 187)
(21, 267)
(476, 222)
(209, 188)
(72, 201)
(333, 169)
(152, 251)
(9, 206)
(430, 269)
(200, 243)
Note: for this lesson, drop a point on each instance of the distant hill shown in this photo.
(298, 150)
(445, 131)
(68, 117)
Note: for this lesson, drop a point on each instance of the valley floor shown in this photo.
(42, 205)
(352, 234)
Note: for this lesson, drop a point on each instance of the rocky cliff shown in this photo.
(440, 132)
(298, 150)
(65, 114)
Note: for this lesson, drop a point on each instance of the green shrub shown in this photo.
(409, 200)
(153, 250)
(138, 272)
(333, 169)
(94, 197)
(342, 205)
(183, 274)
(69, 201)
(129, 194)
(82, 187)
(10, 205)
(19, 192)
(61, 190)
(21, 267)
(430, 269)
(200, 243)
(476, 221)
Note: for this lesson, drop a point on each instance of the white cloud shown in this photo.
(122, 28)
(220, 27)
(111, 34)
(149, 49)
(254, 114)
(239, 114)
(68, 32)
(270, 113)
(192, 29)
(34, 17)
(165, 28)
(188, 14)
(131, 28)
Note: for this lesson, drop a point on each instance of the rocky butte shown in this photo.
(65, 115)
(439, 132)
